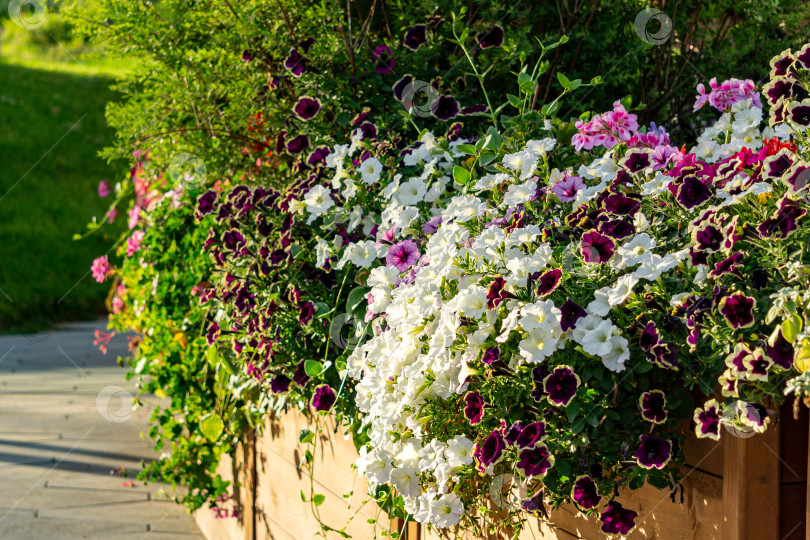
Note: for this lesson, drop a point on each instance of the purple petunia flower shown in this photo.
(566, 189)
(707, 421)
(539, 373)
(548, 282)
(653, 452)
(280, 384)
(636, 161)
(621, 205)
(297, 144)
(415, 37)
(596, 248)
(492, 355)
(584, 493)
(781, 224)
(296, 63)
(306, 107)
(491, 38)
(300, 376)
(653, 406)
(571, 312)
(531, 434)
(432, 226)
(444, 107)
(324, 398)
(692, 193)
(474, 109)
(649, 336)
(497, 293)
(513, 432)
(383, 60)
(738, 310)
(616, 519)
(664, 354)
(233, 240)
(474, 407)
(306, 313)
(401, 86)
(490, 451)
(617, 228)
(318, 155)
(402, 255)
(535, 461)
(205, 204)
(779, 350)
(561, 385)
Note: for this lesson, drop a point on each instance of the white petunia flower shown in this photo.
(523, 163)
(539, 344)
(619, 353)
(318, 200)
(411, 192)
(519, 194)
(322, 252)
(622, 289)
(446, 511)
(370, 170)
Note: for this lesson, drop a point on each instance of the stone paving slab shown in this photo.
(67, 429)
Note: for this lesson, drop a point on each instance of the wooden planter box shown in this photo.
(754, 488)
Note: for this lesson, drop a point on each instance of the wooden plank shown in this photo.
(248, 448)
(215, 528)
(794, 443)
(792, 505)
(751, 483)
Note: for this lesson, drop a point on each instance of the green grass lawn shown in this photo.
(52, 127)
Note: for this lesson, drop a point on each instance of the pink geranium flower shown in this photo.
(99, 268)
(134, 243)
(103, 189)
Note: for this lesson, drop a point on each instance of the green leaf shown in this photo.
(789, 330)
(212, 355)
(563, 80)
(563, 467)
(514, 101)
(492, 139)
(306, 436)
(318, 499)
(212, 427)
(461, 175)
(486, 159)
(313, 368)
(357, 296)
(578, 425)
(592, 420)
(573, 410)
(303, 497)
(467, 149)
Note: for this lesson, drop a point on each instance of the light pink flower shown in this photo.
(134, 243)
(103, 189)
(99, 268)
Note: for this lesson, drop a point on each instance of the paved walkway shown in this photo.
(65, 433)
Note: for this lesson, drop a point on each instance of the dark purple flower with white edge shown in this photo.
(473, 407)
(596, 248)
(300, 376)
(798, 177)
(535, 461)
(432, 225)
(297, 144)
(513, 432)
(369, 131)
(571, 312)
(738, 310)
(383, 60)
(566, 189)
(492, 355)
(584, 493)
(490, 451)
(617, 228)
(779, 350)
(617, 520)
(531, 434)
(306, 313)
(649, 336)
(757, 365)
(621, 205)
(212, 334)
(205, 204)
(783, 222)
(665, 355)
(692, 193)
(306, 107)
(233, 240)
(535, 504)
(491, 38)
(653, 452)
(800, 112)
(296, 63)
(324, 398)
(777, 165)
(318, 155)
(636, 160)
(561, 386)
(653, 406)
(401, 86)
(548, 282)
(444, 107)
(707, 421)
(402, 255)
(497, 293)
(727, 265)
(539, 373)
(247, 56)
(474, 109)
(280, 384)
(415, 37)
